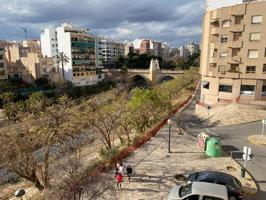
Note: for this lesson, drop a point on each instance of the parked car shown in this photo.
(198, 191)
(233, 185)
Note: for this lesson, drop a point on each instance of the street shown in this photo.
(233, 138)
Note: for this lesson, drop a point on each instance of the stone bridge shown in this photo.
(142, 77)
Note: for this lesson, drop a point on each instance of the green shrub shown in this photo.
(108, 154)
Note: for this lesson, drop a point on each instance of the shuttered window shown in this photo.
(256, 19)
(253, 53)
(254, 36)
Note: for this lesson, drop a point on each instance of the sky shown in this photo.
(172, 21)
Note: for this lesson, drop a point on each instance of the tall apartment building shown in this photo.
(192, 47)
(3, 72)
(128, 48)
(79, 46)
(110, 50)
(22, 63)
(157, 48)
(183, 52)
(145, 47)
(233, 56)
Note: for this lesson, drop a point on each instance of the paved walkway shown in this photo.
(155, 168)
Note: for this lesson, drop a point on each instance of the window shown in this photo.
(206, 84)
(257, 19)
(237, 36)
(224, 38)
(211, 198)
(254, 37)
(225, 88)
(251, 69)
(247, 89)
(226, 23)
(253, 53)
(223, 54)
(238, 19)
(221, 68)
(263, 92)
(264, 68)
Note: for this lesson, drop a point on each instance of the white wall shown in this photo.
(214, 4)
(46, 42)
(64, 45)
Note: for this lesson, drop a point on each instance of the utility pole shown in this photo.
(25, 31)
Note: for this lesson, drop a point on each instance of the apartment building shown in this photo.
(79, 46)
(145, 47)
(233, 54)
(128, 48)
(192, 47)
(3, 72)
(157, 49)
(110, 50)
(183, 52)
(22, 63)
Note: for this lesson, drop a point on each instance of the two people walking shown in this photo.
(120, 173)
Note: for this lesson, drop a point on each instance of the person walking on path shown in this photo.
(119, 175)
(129, 172)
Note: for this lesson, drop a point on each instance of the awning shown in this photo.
(215, 20)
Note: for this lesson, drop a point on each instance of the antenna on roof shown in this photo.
(25, 31)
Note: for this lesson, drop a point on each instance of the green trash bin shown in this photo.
(213, 147)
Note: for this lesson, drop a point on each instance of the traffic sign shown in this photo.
(246, 157)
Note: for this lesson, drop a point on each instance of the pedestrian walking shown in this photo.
(119, 179)
(129, 172)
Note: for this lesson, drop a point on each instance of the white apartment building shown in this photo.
(192, 47)
(80, 47)
(110, 50)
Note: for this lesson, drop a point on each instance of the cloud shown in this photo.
(172, 21)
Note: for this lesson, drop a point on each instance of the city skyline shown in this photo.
(116, 19)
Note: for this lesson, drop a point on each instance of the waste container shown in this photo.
(243, 172)
(202, 137)
(213, 147)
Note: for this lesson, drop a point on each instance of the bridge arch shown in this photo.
(166, 78)
(138, 80)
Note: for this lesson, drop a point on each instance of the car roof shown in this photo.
(219, 176)
(209, 189)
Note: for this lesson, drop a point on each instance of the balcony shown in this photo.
(236, 44)
(237, 28)
(215, 30)
(226, 74)
(234, 59)
(213, 59)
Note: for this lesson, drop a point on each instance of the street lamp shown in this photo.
(169, 122)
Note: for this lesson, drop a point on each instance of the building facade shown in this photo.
(233, 54)
(157, 49)
(193, 48)
(183, 52)
(3, 70)
(22, 63)
(145, 47)
(79, 46)
(110, 50)
(128, 48)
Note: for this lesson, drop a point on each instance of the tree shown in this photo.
(7, 97)
(63, 59)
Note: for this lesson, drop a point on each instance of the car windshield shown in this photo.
(185, 190)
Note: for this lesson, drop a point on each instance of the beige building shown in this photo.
(233, 58)
(145, 47)
(3, 73)
(23, 63)
(48, 69)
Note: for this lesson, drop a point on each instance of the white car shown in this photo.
(198, 191)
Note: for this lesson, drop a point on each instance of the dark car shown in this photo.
(233, 185)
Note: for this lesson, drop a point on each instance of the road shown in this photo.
(233, 139)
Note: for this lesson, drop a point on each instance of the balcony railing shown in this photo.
(237, 28)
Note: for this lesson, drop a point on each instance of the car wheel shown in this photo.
(232, 198)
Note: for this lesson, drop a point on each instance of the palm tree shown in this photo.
(62, 58)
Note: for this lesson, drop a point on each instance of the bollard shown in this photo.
(243, 171)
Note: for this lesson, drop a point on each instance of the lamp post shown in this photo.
(169, 122)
